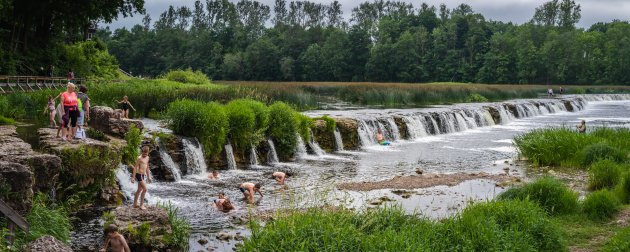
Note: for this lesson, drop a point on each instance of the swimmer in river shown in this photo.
(380, 139)
(223, 204)
(279, 177)
(248, 190)
(214, 175)
(582, 127)
(115, 240)
(141, 173)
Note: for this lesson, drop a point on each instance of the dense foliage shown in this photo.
(187, 76)
(385, 41)
(208, 122)
(283, 129)
(492, 226)
(131, 151)
(604, 174)
(601, 205)
(551, 194)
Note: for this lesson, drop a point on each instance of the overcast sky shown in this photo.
(517, 11)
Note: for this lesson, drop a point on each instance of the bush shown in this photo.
(45, 220)
(331, 124)
(601, 151)
(187, 76)
(475, 97)
(552, 195)
(6, 121)
(283, 128)
(603, 174)
(304, 126)
(601, 205)
(96, 135)
(131, 151)
(619, 242)
(207, 122)
(180, 229)
(623, 188)
(248, 122)
(91, 59)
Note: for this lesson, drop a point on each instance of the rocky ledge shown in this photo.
(143, 229)
(109, 121)
(47, 243)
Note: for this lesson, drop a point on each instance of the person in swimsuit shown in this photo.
(141, 173)
(52, 111)
(582, 127)
(279, 177)
(222, 203)
(248, 190)
(380, 139)
(214, 175)
(115, 240)
(70, 108)
(125, 105)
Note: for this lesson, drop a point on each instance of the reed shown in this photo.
(551, 194)
(601, 205)
(604, 174)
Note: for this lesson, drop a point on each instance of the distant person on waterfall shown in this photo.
(248, 190)
(214, 175)
(125, 105)
(550, 92)
(380, 139)
(70, 108)
(141, 173)
(582, 127)
(115, 240)
(279, 176)
(561, 90)
(52, 112)
(223, 204)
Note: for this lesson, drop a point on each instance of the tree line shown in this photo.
(384, 41)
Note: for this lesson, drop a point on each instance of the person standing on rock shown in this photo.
(52, 112)
(70, 108)
(248, 190)
(141, 173)
(125, 105)
(115, 240)
(84, 113)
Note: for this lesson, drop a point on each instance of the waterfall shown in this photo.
(195, 160)
(461, 122)
(393, 128)
(253, 157)
(504, 114)
(300, 151)
(315, 147)
(338, 140)
(229, 155)
(272, 156)
(365, 134)
(488, 118)
(415, 126)
(123, 176)
(168, 161)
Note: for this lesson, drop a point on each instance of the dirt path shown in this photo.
(428, 180)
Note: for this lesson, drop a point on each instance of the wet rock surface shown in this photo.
(423, 181)
(323, 136)
(108, 121)
(349, 133)
(47, 243)
(156, 218)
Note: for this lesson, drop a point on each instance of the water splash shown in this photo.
(253, 157)
(300, 148)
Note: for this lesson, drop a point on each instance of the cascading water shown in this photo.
(124, 180)
(195, 160)
(229, 155)
(300, 150)
(393, 128)
(315, 147)
(253, 157)
(272, 156)
(415, 126)
(168, 161)
(338, 140)
(365, 134)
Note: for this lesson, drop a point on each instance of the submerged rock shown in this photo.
(47, 243)
(224, 236)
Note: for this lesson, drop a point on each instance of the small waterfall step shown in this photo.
(272, 156)
(195, 161)
(253, 157)
(229, 153)
(168, 161)
(338, 140)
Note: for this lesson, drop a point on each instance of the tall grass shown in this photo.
(623, 188)
(492, 226)
(552, 195)
(601, 205)
(283, 129)
(248, 121)
(565, 147)
(131, 151)
(208, 122)
(604, 174)
(45, 218)
(619, 242)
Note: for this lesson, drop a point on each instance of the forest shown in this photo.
(381, 41)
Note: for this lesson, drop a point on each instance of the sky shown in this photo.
(517, 11)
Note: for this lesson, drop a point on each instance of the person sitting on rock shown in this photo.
(380, 139)
(248, 190)
(279, 176)
(115, 240)
(141, 173)
(214, 175)
(223, 204)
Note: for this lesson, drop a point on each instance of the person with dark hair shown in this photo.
(125, 105)
(51, 71)
(84, 112)
(70, 76)
(114, 240)
(223, 204)
(248, 190)
(214, 175)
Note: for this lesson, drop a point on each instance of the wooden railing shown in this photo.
(12, 84)
(13, 219)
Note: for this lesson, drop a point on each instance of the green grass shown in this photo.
(187, 76)
(581, 232)
(208, 122)
(604, 174)
(130, 152)
(551, 194)
(565, 147)
(492, 226)
(623, 188)
(601, 205)
(180, 229)
(619, 242)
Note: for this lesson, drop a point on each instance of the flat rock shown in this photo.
(47, 243)
(422, 181)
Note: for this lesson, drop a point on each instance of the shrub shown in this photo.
(623, 188)
(187, 76)
(47, 220)
(6, 121)
(242, 124)
(283, 128)
(552, 195)
(599, 151)
(475, 97)
(603, 174)
(180, 229)
(619, 242)
(304, 126)
(601, 205)
(96, 135)
(131, 151)
(207, 122)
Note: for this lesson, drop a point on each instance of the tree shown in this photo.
(564, 13)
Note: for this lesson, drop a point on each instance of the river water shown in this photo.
(470, 149)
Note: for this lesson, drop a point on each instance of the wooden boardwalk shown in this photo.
(12, 84)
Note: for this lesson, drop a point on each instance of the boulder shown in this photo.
(129, 221)
(512, 109)
(16, 185)
(159, 167)
(494, 112)
(568, 105)
(47, 243)
(349, 129)
(108, 121)
(402, 127)
(323, 137)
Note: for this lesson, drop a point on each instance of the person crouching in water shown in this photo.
(223, 204)
(248, 190)
(141, 174)
(582, 127)
(280, 177)
(115, 240)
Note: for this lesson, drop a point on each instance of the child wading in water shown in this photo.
(125, 105)
(223, 204)
(52, 111)
(248, 190)
(115, 240)
(141, 173)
